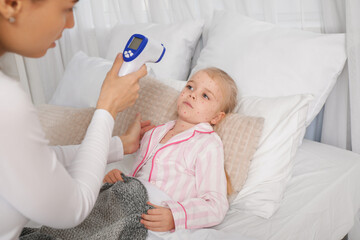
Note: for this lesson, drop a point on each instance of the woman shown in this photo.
(38, 182)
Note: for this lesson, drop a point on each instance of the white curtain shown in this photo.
(95, 18)
(341, 125)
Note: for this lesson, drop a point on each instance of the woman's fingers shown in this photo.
(118, 93)
(141, 72)
(117, 65)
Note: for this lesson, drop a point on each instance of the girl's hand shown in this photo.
(118, 93)
(145, 126)
(113, 176)
(131, 139)
(159, 219)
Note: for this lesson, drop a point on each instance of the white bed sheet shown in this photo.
(320, 201)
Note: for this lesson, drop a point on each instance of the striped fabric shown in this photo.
(190, 169)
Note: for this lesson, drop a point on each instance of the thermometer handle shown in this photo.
(129, 67)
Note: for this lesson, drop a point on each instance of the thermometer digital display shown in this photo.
(135, 43)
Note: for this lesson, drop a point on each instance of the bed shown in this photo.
(320, 201)
(317, 186)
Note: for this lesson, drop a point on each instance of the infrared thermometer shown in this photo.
(138, 51)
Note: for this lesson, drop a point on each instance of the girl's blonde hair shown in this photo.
(229, 87)
(230, 93)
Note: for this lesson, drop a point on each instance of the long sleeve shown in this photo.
(210, 205)
(66, 154)
(34, 184)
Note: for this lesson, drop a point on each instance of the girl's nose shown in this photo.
(192, 95)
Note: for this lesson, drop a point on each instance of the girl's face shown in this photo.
(38, 24)
(201, 100)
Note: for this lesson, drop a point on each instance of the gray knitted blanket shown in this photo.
(116, 215)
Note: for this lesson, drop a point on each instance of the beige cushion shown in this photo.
(64, 125)
(157, 102)
(67, 125)
(240, 136)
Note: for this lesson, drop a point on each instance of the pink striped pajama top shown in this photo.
(190, 169)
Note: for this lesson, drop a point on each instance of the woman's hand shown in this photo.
(113, 176)
(159, 219)
(118, 93)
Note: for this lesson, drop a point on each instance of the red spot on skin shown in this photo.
(184, 112)
(198, 112)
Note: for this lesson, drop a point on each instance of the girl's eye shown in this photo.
(189, 87)
(205, 96)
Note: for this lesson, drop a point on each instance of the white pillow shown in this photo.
(179, 39)
(81, 83)
(272, 164)
(271, 61)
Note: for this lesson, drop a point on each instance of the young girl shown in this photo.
(185, 158)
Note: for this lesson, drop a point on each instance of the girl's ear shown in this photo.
(218, 117)
(10, 8)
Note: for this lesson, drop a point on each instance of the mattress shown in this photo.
(320, 201)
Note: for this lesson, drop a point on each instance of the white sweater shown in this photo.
(55, 186)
